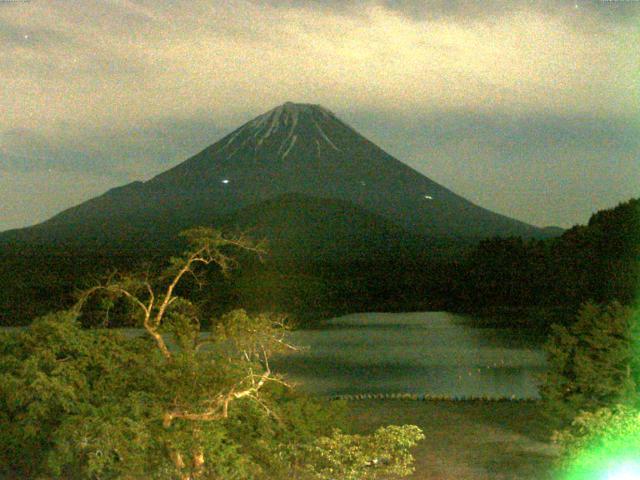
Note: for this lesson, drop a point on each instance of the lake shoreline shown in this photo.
(467, 439)
(528, 318)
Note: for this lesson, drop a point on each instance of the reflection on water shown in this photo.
(434, 353)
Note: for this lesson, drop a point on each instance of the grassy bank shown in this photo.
(468, 440)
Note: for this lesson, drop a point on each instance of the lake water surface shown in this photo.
(435, 353)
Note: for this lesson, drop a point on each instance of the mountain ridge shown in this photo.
(292, 148)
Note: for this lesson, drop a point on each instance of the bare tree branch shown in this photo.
(219, 409)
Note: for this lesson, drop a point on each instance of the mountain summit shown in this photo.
(295, 148)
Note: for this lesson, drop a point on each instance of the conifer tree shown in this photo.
(592, 363)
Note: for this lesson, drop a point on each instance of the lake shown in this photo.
(434, 353)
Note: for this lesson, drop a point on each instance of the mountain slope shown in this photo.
(293, 148)
(301, 227)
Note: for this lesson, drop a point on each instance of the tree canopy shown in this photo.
(591, 391)
(593, 363)
(177, 402)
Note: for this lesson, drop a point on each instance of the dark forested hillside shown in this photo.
(400, 271)
(599, 261)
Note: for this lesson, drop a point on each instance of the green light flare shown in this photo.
(605, 445)
(626, 471)
(609, 448)
(611, 468)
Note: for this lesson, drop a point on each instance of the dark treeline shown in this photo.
(502, 277)
(597, 262)
(507, 278)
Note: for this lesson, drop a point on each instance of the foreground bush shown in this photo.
(593, 363)
(599, 444)
(173, 404)
(591, 392)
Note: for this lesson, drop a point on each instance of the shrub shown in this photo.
(174, 403)
(599, 443)
(592, 363)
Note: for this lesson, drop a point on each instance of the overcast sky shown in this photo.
(528, 108)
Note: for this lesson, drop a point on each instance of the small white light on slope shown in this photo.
(428, 197)
(225, 181)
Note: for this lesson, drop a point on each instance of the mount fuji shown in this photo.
(301, 153)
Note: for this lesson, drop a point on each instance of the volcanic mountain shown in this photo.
(299, 151)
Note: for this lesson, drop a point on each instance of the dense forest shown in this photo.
(598, 262)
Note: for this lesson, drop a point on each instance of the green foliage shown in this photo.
(80, 403)
(592, 363)
(178, 403)
(250, 336)
(598, 262)
(591, 390)
(65, 392)
(355, 457)
(597, 443)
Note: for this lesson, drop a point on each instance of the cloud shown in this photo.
(125, 88)
(123, 155)
(33, 196)
(546, 169)
(145, 60)
(578, 13)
